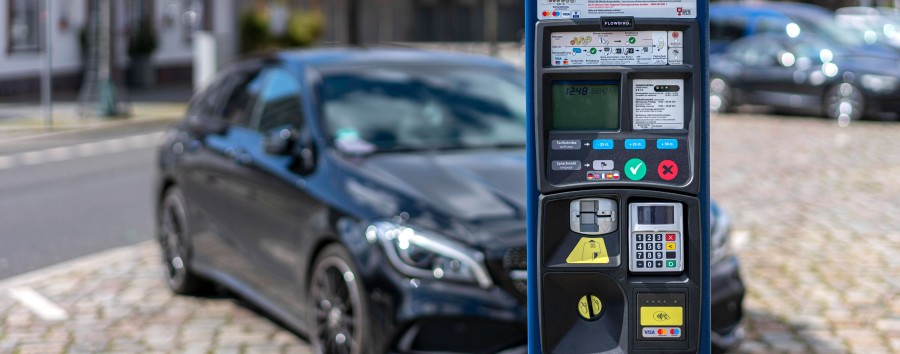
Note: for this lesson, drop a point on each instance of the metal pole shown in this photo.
(352, 24)
(491, 14)
(47, 75)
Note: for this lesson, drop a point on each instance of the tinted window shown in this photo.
(392, 108)
(772, 25)
(758, 51)
(239, 104)
(279, 102)
(727, 29)
(204, 104)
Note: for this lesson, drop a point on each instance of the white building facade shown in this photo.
(23, 37)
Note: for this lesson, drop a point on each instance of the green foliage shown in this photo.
(254, 31)
(144, 42)
(303, 29)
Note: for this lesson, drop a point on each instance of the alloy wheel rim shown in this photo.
(845, 102)
(336, 309)
(171, 239)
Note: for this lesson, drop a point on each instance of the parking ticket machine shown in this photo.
(619, 206)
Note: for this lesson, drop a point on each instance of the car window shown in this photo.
(279, 103)
(242, 96)
(774, 25)
(424, 107)
(727, 29)
(205, 104)
(758, 51)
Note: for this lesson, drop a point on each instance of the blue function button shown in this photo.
(603, 144)
(635, 144)
(667, 144)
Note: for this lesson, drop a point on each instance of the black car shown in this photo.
(808, 74)
(372, 199)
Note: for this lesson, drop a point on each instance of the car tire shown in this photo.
(175, 246)
(844, 101)
(338, 306)
(721, 98)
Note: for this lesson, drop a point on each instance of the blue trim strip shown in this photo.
(705, 312)
(534, 334)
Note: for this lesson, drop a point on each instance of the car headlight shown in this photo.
(422, 254)
(720, 238)
(879, 83)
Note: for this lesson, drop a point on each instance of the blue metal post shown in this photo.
(534, 335)
(705, 314)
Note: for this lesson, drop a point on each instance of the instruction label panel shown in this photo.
(616, 48)
(566, 9)
(658, 104)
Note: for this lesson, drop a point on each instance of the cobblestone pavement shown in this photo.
(117, 303)
(816, 211)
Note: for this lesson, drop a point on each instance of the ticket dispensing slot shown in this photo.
(592, 216)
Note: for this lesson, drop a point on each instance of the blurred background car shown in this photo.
(372, 199)
(796, 58)
(805, 74)
(872, 24)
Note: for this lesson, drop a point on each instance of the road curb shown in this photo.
(23, 134)
(92, 261)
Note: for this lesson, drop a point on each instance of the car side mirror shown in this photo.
(290, 142)
(280, 142)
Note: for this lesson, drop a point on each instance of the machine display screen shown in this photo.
(656, 215)
(585, 105)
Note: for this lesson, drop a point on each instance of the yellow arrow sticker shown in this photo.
(589, 310)
(589, 251)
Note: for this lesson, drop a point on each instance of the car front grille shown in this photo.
(509, 271)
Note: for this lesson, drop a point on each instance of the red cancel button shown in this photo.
(667, 170)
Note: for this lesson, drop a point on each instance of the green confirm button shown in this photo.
(635, 169)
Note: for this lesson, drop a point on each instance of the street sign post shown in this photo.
(618, 154)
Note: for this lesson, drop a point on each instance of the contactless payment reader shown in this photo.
(619, 185)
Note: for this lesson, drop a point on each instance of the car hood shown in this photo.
(475, 197)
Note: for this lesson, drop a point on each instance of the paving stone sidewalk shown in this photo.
(116, 302)
(816, 210)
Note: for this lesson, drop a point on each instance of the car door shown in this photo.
(276, 211)
(209, 162)
(765, 78)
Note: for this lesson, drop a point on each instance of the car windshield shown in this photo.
(828, 28)
(423, 108)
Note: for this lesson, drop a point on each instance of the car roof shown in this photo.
(344, 57)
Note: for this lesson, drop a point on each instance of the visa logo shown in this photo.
(649, 332)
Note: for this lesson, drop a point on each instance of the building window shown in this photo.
(24, 26)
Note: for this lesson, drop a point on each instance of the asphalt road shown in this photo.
(67, 195)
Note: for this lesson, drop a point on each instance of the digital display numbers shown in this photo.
(585, 105)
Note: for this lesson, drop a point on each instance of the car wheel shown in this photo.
(175, 247)
(339, 316)
(720, 96)
(844, 102)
